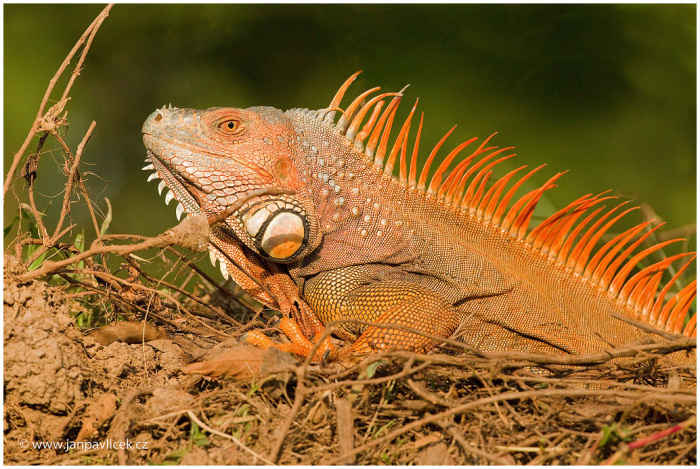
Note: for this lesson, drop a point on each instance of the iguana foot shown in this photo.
(299, 345)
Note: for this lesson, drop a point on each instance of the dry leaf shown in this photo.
(30, 167)
(191, 233)
(97, 414)
(434, 455)
(128, 332)
(427, 440)
(243, 362)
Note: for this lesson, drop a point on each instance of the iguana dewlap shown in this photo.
(322, 229)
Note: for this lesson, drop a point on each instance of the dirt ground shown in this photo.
(65, 387)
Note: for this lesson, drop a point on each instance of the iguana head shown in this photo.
(238, 160)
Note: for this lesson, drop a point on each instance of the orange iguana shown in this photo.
(319, 227)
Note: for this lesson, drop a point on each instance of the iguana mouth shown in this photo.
(177, 187)
(185, 191)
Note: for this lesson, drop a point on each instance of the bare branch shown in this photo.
(87, 35)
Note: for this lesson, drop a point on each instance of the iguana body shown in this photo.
(322, 229)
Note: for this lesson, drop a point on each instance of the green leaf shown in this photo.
(613, 434)
(196, 435)
(383, 428)
(107, 220)
(8, 228)
(372, 369)
(243, 411)
(32, 225)
(79, 242)
(607, 436)
(253, 388)
(39, 260)
(175, 457)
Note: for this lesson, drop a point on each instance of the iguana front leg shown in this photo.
(362, 308)
(299, 324)
(353, 297)
(281, 293)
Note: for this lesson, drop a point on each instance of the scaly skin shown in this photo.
(324, 232)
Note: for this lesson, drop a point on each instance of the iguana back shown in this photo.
(322, 229)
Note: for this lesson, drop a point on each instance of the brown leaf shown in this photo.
(434, 455)
(191, 233)
(427, 440)
(97, 414)
(30, 167)
(242, 362)
(129, 332)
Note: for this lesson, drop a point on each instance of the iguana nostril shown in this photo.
(148, 126)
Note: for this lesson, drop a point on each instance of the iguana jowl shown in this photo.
(323, 230)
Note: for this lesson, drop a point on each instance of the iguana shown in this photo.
(318, 225)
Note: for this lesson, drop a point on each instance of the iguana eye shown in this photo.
(229, 126)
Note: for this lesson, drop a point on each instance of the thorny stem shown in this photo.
(680, 343)
(36, 125)
(38, 216)
(74, 176)
(626, 449)
(43, 248)
(83, 53)
(254, 309)
(229, 437)
(432, 418)
(300, 394)
(52, 266)
(113, 295)
(160, 241)
(153, 291)
(220, 315)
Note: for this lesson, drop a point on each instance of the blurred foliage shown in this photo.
(607, 91)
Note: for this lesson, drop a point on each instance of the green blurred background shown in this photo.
(607, 91)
